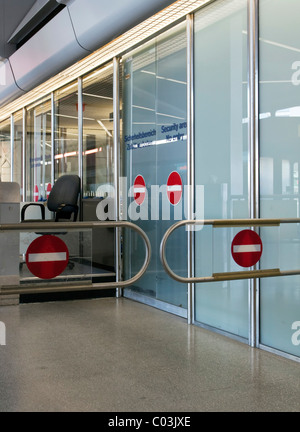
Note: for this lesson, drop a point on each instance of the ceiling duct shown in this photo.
(77, 30)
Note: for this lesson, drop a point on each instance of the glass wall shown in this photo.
(38, 151)
(221, 158)
(5, 151)
(154, 129)
(17, 172)
(66, 130)
(279, 106)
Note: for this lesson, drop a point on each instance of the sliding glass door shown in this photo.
(154, 124)
(279, 102)
(221, 158)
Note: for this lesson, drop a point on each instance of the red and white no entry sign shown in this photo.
(36, 193)
(246, 248)
(47, 256)
(174, 188)
(49, 187)
(139, 189)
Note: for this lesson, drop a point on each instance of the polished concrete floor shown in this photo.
(116, 355)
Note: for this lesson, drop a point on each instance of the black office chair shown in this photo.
(62, 200)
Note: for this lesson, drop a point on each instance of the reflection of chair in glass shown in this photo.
(62, 200)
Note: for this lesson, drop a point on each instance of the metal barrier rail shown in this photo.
(247, 274)
(73, 286)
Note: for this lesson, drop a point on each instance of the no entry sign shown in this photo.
(49, 187)
(174, 188)
(139, 189)
(47, 256)
(246, 248)
(36, 193)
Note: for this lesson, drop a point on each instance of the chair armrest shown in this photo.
(24, 208)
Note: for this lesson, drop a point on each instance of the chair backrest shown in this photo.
(64, 195)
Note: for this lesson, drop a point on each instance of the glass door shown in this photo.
(155, 160)
(221, 158)
(279, 102)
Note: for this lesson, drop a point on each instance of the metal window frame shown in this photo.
(80, 139)
(254, 174)
(12, 139)
(190, 163)
(116, 152)
(52, 138)
(24, 136)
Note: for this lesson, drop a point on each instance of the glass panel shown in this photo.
(66, 130)
(279, 94)
(5, 151)
(154, 123)
(98, 161)
(9, 269)
(38, 151)
(18, 141)
(70, 258)
(221, 157)
(97, 130)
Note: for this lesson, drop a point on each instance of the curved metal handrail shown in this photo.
(76, 226)
(248, 274)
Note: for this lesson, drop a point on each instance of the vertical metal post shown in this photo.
(254, 153)
(12, 139)
(36, 150)
(52, 138)
(116, 152)
(190, 159)
(23, 186)
(80, 142)
(44, 135)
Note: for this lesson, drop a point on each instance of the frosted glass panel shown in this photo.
(279, 95)
(221, 157)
